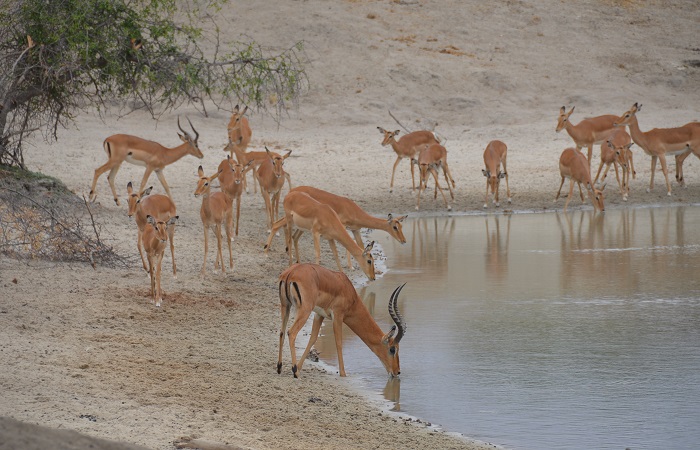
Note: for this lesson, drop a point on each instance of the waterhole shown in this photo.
(555, 330)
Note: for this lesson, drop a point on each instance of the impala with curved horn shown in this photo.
(138, 151)
(312, 288)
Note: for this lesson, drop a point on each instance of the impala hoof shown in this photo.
(509, 200)
(486, 205)
(449, 207)
(668, 193)
(417, 208)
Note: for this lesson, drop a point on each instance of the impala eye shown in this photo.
(392, 350)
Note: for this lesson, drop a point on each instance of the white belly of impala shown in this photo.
(132, 160)
(323, 313)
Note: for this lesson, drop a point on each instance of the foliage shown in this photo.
(58, 57)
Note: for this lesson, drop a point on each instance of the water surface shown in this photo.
(548, 330)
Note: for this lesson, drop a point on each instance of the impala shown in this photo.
(430, 159)
(239, 134)
(256, 158)
(160, 207)
(614, 152)
(152, 155)
(303, 212)
(155, 233)
(330, 294)
(271, 177)
(231, 179)
(216, 211)
(588, 132)
(660, 142)
(573, 164)
(406, 147)
(495, 157)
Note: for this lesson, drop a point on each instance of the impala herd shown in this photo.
(330, 294)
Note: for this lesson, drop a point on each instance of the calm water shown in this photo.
(556, 331)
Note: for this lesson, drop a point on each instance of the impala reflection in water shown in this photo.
(558, 330)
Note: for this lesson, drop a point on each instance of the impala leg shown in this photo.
(317, 245)
(413, 174)
(391, 186)
(571, 193)
(580, 191)
(171, 236)
(219, 254)
(98, 172)
(144, 180)
(289, 180)
(268, 207)
(299, 321)
(617, 177)
(159, 265)
(112, 175)
(437, 186)
(206, 248)
(631, 163)
(338, 335)
(285, 307)
(664, 169)
(653, 170)
(445, 171)
(282, 223)
(315, 329)
(486, 197)
(505, 170)
(289, 238)
(590, 156)
(331, 242)
(139, 245)
(229, 233)
(679, 167)
(151, 273)
(297, 235)
(559, 192)
(238, 212)
(161, 177)
(600, 168)
(358, 239)
(446, 168)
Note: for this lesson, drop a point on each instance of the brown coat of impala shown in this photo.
(271, 176)
(432, 157)
(588, 132)
(231, 180)
(616, 152)
(161, 207)
(574, 165)
(660, 142)
(152, 155)
(494, 157)
(216, 212)
(155, 235)
(407, 146)
(312, 288)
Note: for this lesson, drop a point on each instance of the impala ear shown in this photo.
(129, 188)
(173, 220)
(368, 248)
(485, 172)
(289, 152)
(609, 144)
(562, 110)
(245, 110)
(390, 217)
(235, 110)
(603, 187)
(629, 146)
(572, 110)
(401, 219)
(147, 191)
(389, 335)
(200, 171)
(214, 177)
(249, 164)
(501, 174)
(381, 130)
(396, 133)
(151, 220)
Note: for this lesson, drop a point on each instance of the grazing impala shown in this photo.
(216, 211)
(495, 157)
(406, 147)
(271, 177)
(588, 132)
(430, 159)
(573, 164)
(160, 207)
(231, 179)
(309, 287)
(614, 152)
(305, 213)
(660, 142)
(152, 155)
(155, 233)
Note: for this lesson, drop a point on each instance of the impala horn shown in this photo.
(394, 313)
(196, 134)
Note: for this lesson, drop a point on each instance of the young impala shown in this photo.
(271, 176)
(431, 158)
(407, 146)
(573, 165)
(161, 207)
(155, 234)
(152, 155)
(616, 152)
(495, 157)
(331, 295)
(231, 180)
(216, 211)
(588, 132)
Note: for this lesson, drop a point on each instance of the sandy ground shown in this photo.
(84, 350)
